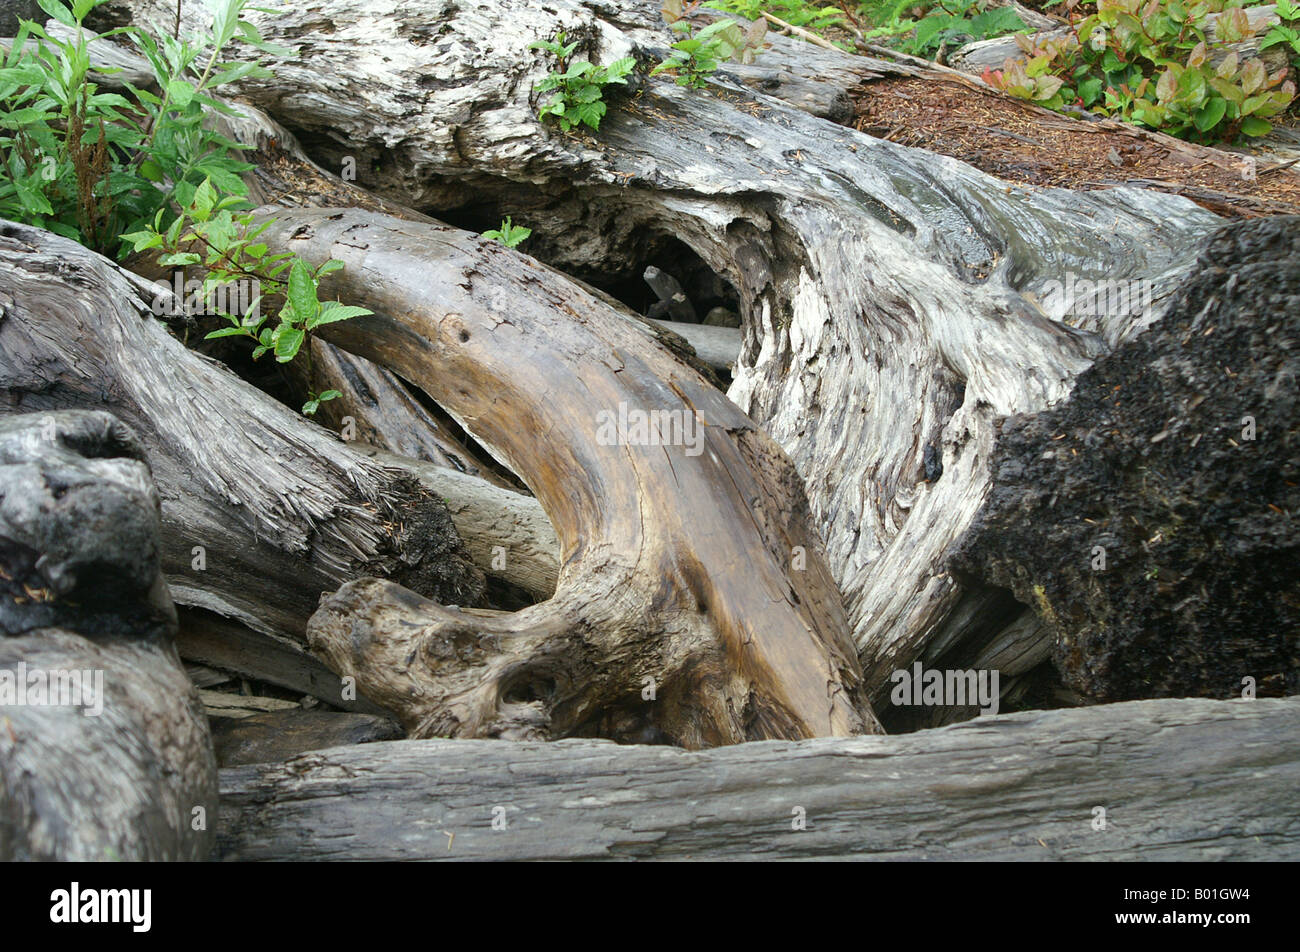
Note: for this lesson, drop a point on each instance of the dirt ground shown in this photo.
(1023, 143)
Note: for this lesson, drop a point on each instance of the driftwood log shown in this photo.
(1015, 787)
(693, 603)
(892, 299)
(104, 749)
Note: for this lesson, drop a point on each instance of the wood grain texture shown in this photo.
(1179, 780)
(688, 558)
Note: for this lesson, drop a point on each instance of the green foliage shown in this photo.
(141, 172)
(579, 87)
(924, 27)
(953, 23)
(1287, 33)
(90, 165)
(212, 231)
(696, 56)
(1150, 62)
(509, 234)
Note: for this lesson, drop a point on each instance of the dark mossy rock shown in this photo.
(281, 735)
(1176, 461)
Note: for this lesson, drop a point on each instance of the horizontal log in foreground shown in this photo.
(1178, 780)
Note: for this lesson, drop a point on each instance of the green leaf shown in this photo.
(1254, 104)
(1090, 90)
(331, 313)
(591, 113)
(24, 74)
(1255, 126)
(310, 407)
(224, 180)
(287, 343)
(205, 196)
(143, 240)
(302, 292)
(33, 201)
(1210, 114)
(226, 332)
(179, 259)
(180, 92)
(58, 11)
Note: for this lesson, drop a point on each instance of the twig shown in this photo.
(802, 33)
(1278, 167)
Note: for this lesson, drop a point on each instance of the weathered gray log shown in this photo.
(891, 297)
(1178, 780)
(104, 749)
(210, 639)
(262, 510)
(717, 346)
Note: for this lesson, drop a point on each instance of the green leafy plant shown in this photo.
(696, 56)
(90, 165)
(1286, 33)
(210, 231)
(509, 234)
(1150, 62)
(953, 23)
(141, 172)
(926, 28)
(579, 87)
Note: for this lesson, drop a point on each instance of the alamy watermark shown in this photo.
(59, 687)
(242, 297)
(630, 426)
(945, 688)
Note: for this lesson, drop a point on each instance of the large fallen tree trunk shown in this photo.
(693, 602)
(718, 608)
(104, 749)
(693, 578)
(891, 297)
(1016, 787)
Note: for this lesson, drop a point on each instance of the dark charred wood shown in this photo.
(104, 749)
